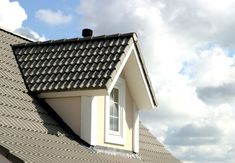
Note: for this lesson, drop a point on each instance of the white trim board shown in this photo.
(89, 119)
(119, 71)
(144, 78)
(94, 92)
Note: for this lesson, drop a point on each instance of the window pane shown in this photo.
(111, 97)
(114, 110)
(111, 108)
(114, 124)
(115, 93)
(115, 127)
(111, 123)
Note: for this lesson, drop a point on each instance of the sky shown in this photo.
(188, 48)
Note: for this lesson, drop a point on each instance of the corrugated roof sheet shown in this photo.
(28, 133)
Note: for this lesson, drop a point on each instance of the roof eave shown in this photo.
(73, 93)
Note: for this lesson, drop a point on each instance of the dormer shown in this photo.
(97, 85)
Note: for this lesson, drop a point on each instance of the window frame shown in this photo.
(116, 137)
(119, 112)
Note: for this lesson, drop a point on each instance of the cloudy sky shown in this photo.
(188, 47)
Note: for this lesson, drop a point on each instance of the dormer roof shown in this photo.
(90, 63)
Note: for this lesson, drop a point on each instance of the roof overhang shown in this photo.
(138, 84)
(74, 93)
(136, 76)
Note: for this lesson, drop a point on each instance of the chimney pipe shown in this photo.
(87, 32)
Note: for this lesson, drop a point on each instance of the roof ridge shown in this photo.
(71, 40)
(16, 34)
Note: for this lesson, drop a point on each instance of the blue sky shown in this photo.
(189, 50)
(72, 29)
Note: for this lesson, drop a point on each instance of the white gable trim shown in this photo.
(144, 78)
(133, 51)
(119, 71)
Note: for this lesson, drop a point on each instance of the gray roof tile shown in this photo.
(51, 65)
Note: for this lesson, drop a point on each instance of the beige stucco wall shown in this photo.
(127, 125)
(69, 109)
(100, 120)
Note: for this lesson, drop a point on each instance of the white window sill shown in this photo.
(114, 139)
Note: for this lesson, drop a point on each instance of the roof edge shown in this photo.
(151, 90)
(16, 34)
(71, 40)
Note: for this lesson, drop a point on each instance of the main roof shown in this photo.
(76, 64)
(30, 132)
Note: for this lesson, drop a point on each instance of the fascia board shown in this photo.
(145, 73)
(144, 78)
(95, 92)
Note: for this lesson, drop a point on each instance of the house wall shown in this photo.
(69, 109)
(127, 125)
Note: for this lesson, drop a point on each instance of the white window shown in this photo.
(114, 116)
(115, 111)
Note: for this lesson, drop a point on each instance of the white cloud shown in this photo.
(219, 66)
(193, 135)
(204, 20)
(12, 14)
(53, 17)
(29, 33)
(187, 47)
